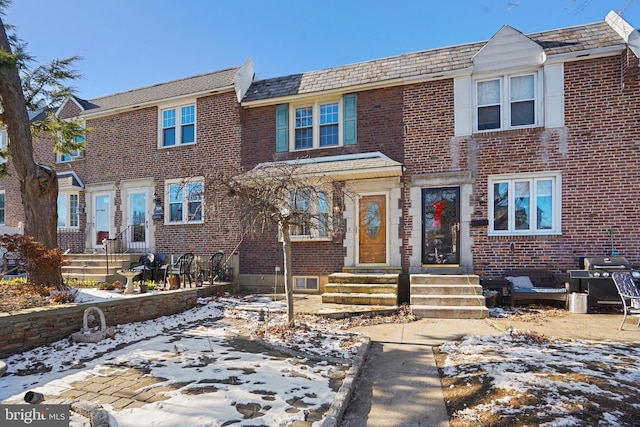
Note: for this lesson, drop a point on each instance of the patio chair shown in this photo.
(182, 269)
(217, 271)
(144, 265)
(628, 292)
(159, 266)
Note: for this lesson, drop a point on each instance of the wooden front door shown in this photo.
(373, 230)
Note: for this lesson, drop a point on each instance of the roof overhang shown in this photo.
(340, 168)
(68, 180)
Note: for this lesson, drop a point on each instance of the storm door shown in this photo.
(441, 225)
(138, 219)
(372, 230)
(101, 218)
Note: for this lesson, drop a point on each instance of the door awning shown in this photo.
(343, 167)
(69, 180)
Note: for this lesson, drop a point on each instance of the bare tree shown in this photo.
(290, 198)
(39, 90)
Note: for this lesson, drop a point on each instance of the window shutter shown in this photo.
(350, 116)
(282, 128)
(554, 95)
(462, 114)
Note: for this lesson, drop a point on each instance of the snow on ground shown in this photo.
(214, 374)
(548, 381)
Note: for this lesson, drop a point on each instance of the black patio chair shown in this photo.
(182, 269)
(217, 269)
(144, 265)
(628, 292)
(159, 266)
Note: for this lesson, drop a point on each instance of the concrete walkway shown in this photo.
(399, 384)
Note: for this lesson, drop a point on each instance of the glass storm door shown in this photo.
(101, 217)
(441, 225)
(138, 217)
(372, 233)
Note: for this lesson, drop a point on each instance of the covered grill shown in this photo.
(597, 273)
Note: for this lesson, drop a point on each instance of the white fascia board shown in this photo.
(624, 30)
(73, 99)
(175, 99)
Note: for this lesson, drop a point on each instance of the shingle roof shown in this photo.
(434, 61)
(190, 85)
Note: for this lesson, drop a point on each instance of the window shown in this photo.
(506, 102)
(319, 124)
(311, 219)
(306, 283)
(522, 204)
(316, 126)
(185, 201)
(4, 144)
(75, 154)
(178, 126)
(68, 210)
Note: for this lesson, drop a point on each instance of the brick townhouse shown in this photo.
(515, 152)
(519, 151)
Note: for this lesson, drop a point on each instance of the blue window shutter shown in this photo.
(282, 127)
(350, 118)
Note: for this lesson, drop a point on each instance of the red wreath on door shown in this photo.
(437, 216)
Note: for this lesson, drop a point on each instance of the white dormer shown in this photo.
(508, 49)
(509, 87)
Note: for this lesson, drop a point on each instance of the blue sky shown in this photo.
(128, 44)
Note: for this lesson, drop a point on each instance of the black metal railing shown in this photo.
(129, 240)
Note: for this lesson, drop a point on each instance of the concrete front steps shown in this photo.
(94, 266)
(362, 289)
(451, 296)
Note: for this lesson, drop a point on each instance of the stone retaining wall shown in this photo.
(27, 329)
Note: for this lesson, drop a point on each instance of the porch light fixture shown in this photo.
(157, 210)
(340, 222)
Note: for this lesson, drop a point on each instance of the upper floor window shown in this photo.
(178, 126)
(506, 102)
(525, 204)
(185, 201)
(68, 212)
(75, 154)
(318, 124)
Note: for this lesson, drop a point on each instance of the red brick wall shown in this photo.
(596, 153)
(380, 128)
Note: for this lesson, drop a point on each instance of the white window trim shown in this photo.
(79, 155)
(67, 221)
(177, 107)
(4, 143)
(556, 209)
(316, 123)
(505, 102)
(315, 236)
(185, 201)
(306, 278)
